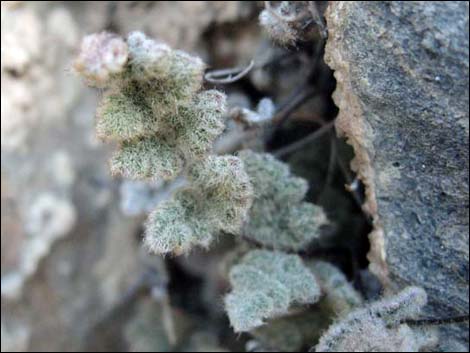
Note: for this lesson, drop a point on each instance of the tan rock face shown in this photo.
(402, 90)
(352, 125)
(181, 24)
(57, 214)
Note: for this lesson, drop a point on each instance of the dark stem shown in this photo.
(306, 140)
(438, 321)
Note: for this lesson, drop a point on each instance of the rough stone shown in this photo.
(67, 252)
(181, 24)
(402, 70)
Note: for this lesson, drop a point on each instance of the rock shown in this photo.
(15, 336)
(49, 218)
(181, 24)
(402, 70)
(156, 327)
(67, 252)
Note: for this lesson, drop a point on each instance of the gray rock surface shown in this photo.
(402, 70)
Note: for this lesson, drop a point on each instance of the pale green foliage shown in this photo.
(200, 124)
(170, 69)
(265, 284)
(377, 327)
(185, 137)
(188, 135)
(227, 190)
(176, 227)
(121, 117)
(340, 296)
(279, 218)
(169, 79)
(164, 124)
(147, 158)
(218, 200)
(294, 332)
(153, 106)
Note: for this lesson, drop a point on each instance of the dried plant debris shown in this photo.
(378, 327)
(262, 116)
(291, 22)
(102, 56)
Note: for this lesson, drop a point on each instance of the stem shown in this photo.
(306, 140)
(225, 76)
(439, 321)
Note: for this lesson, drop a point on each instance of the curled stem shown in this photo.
(225, 76)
